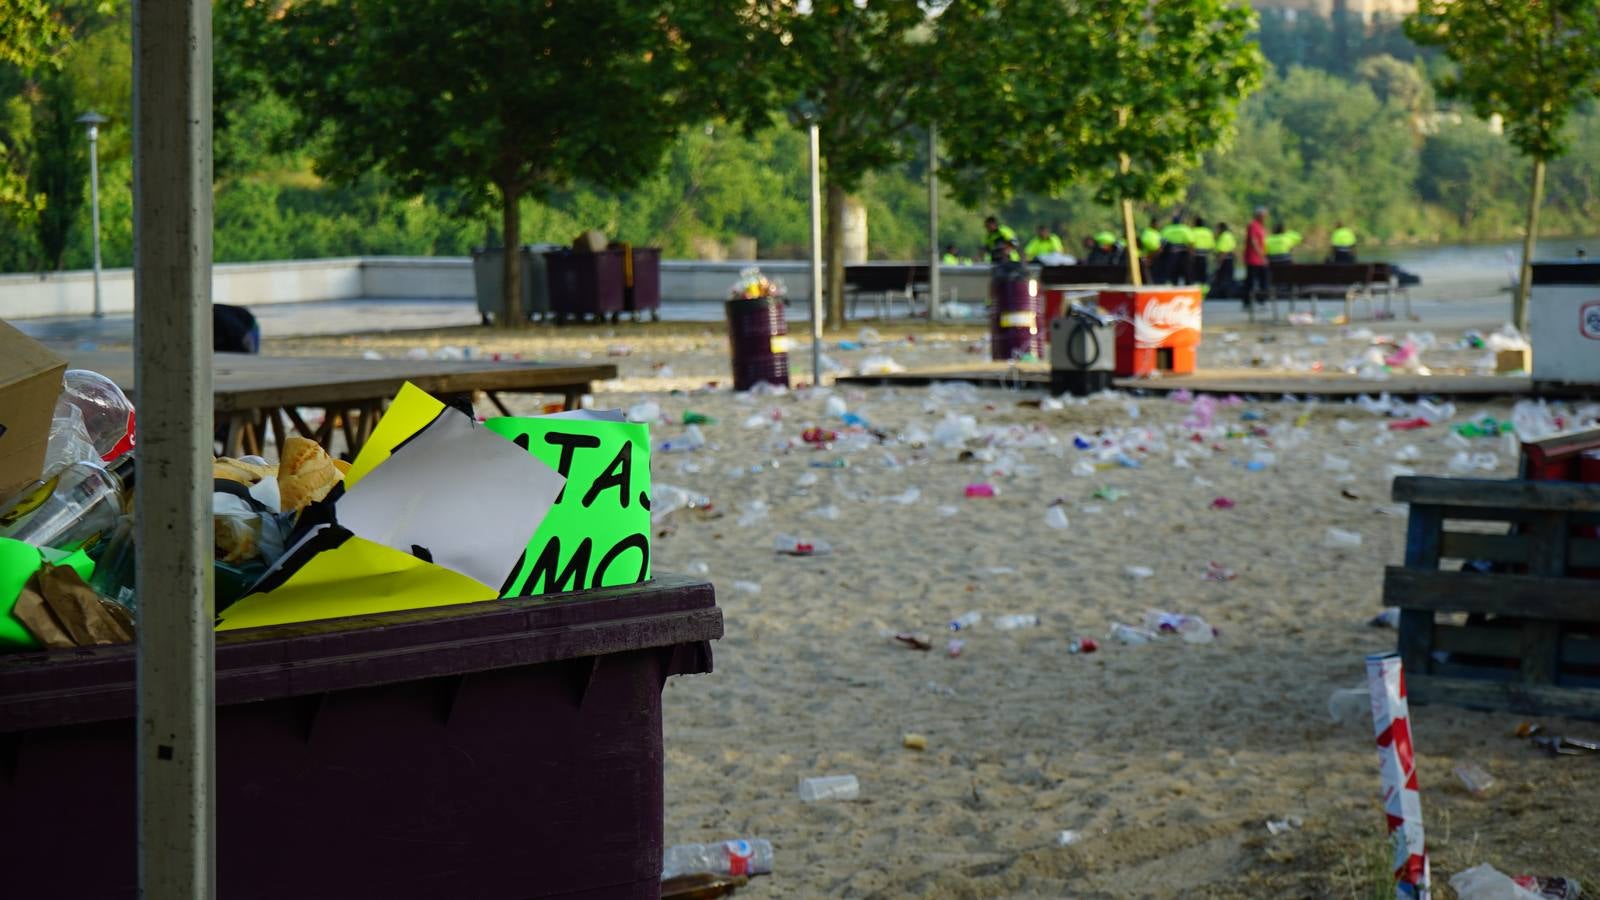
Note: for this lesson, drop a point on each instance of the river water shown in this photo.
(1493, 264)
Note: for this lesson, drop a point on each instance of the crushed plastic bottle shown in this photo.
(646, 412)
(835, 407)
(793, 546)
(1056, 517)
(666, 499)
(753, 512)
(1138, 571)
(692, 439)
(1474, 778)
(739, 857)
(966, 620)
(1340, 539)
(108, 416)
(1485, 882)
(1130, 635)
(1350, 706)
(1016, 622)
(829, 787)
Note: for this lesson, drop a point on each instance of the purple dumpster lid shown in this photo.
(64, 687)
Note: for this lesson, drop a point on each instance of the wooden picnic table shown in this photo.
(256, 395)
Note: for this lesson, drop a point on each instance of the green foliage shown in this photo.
(1314, 146)
(57, 174)
(862, 69)
(32, 33)
(1122, 95)
(1529, 63)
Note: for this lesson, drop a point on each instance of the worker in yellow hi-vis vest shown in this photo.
(1343, 244)
(1172, 265)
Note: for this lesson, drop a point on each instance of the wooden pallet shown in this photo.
(1523, 636)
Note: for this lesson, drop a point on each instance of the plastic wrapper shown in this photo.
(245, 531)
(69, 439)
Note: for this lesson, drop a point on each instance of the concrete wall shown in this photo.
(396, 277)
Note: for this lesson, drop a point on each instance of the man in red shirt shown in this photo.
(1257, 275)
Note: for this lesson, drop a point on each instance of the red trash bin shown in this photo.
(503, 749)
(585, 284)
(758, 339)
(1015, 329)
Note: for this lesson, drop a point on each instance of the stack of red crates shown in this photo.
(1574, 456)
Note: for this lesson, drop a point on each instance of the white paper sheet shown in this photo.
(469, 497)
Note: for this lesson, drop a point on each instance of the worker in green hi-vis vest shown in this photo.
(1280, 245)
(1343, 242)
(1105, 252)
(1172, 266)
(1201, 242)
(999, 241)
(1042, 243)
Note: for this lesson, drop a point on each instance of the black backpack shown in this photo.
(234, 330)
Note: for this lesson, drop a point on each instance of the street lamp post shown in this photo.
(804, 112)
(92, 121)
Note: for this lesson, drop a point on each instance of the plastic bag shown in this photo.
(69, 439)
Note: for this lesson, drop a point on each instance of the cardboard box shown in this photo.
(1512, 361)
(30, 382)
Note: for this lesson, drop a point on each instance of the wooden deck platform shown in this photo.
(1252, 382)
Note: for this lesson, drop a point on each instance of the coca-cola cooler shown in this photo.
(1158, 329)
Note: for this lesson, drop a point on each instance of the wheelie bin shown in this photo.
(503, 749)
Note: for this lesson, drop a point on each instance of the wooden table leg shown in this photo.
(494, 397)
(233, 439)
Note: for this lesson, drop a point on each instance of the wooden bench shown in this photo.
(1386, 282)
(886, 283)
(1517, 626)
(1313, 281)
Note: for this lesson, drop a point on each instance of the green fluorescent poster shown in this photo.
(598, 533)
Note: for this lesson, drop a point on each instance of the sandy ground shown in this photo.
(1168, 759)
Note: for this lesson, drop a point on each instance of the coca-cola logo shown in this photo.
(1159, 320)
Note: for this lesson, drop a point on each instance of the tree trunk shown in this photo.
(1131, 235)
(835, 256)
(514, 315)
(1519, 306)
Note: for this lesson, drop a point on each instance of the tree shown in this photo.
(478, 94)
(1124, 95)
(1532, 63)
(57, 173)
(860, 69)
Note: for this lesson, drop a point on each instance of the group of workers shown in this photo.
(1176, 254)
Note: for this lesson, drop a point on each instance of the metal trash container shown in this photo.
(642, 282)
(503, 749)
(488, 273)
(585, 285)
(1564, 322)
(1014, 316)
(758, 339)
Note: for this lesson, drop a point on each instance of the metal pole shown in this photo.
(933, 222)
(172, 372)
(94, 207)
(816, 254)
